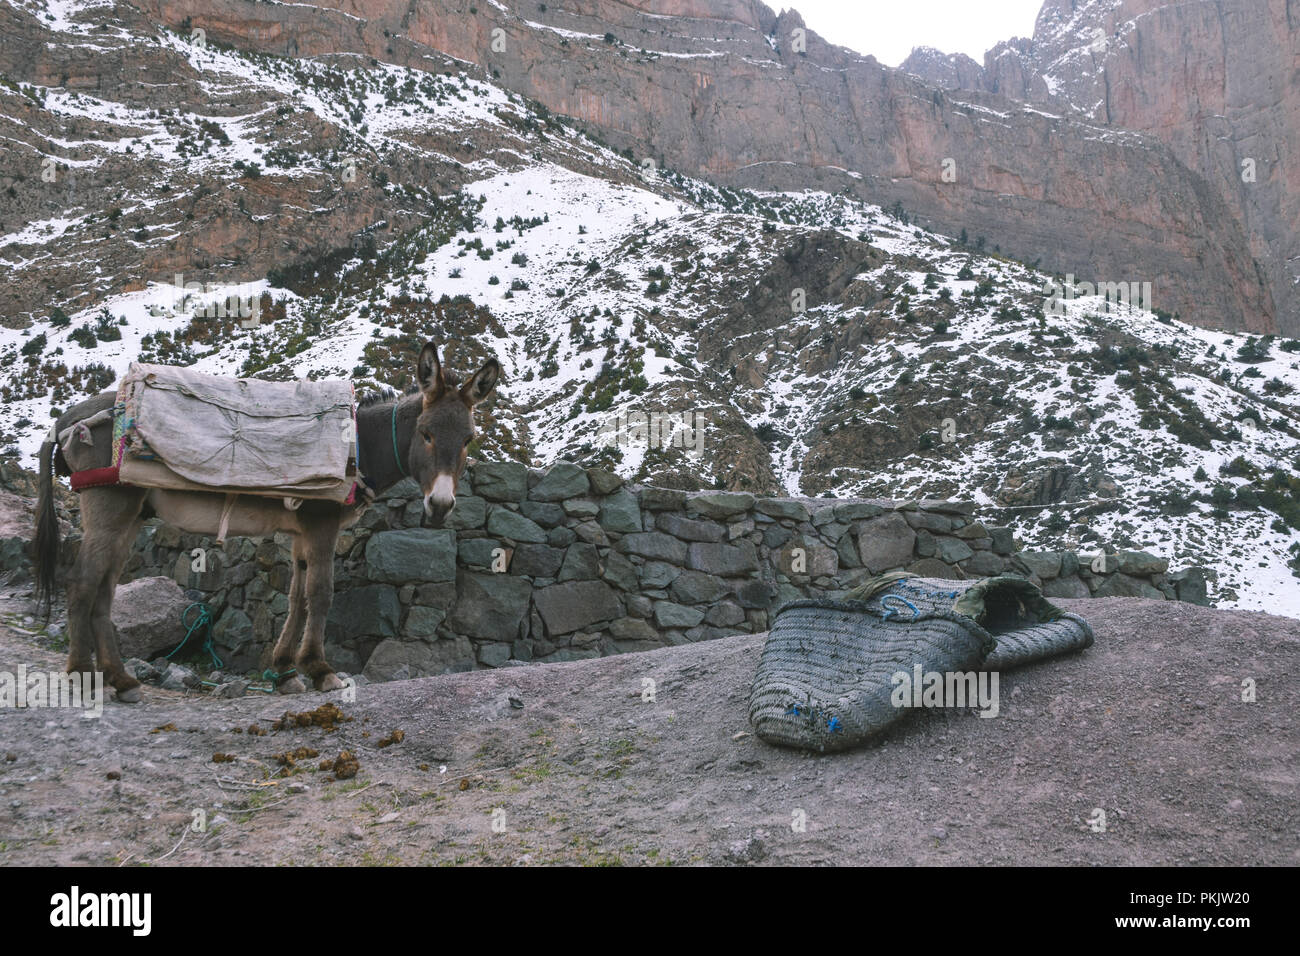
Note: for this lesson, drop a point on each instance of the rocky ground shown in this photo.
(567, 763)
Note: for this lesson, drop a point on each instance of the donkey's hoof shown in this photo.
(293, 685)
(328, 682)
(129, 696)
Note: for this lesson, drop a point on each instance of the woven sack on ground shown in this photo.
(825, 680)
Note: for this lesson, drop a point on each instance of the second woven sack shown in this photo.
(825, 680)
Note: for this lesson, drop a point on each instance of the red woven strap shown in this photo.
(95, 478)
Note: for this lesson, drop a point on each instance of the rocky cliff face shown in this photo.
(740, 95)
(947, 71)
(1218, 83)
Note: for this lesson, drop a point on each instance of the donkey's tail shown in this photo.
(46, 546)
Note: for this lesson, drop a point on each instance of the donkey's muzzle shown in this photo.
(435, 513)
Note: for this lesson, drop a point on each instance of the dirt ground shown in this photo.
(566, 763)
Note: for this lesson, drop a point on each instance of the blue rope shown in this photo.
(204, 620)
(889, 611)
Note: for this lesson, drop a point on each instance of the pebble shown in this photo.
(356, 833)
(939, 833)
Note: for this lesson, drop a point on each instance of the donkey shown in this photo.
(425, 435)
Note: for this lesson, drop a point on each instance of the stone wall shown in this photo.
(572, 563)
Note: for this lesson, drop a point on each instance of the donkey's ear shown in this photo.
(481, 384)
(428, 372)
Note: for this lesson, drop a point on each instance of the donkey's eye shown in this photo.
(428, 438)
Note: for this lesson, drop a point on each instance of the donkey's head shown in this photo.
(445, 428)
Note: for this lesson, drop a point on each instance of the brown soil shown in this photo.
(1148, 726)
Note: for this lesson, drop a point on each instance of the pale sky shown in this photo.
(888, 29)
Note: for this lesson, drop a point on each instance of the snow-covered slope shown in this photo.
(823, 346)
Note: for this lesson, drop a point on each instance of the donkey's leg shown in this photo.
(80, 589)
(318, 539)
(291, 634)
(114, 517)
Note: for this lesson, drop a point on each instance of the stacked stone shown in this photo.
(573, 563)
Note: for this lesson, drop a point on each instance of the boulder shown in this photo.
(856, 511)
(537, 560)
(948, 507)
(1190, 586)
(501, 481)
(985, 564)
(147, 614)
(179, 678)
(620, 572)
(886, 542)
(582, 508)
(563, 480)
(561, 537)
(1004, 542)
(620, 512)
(658, 574)
(544, 513)
(1141, 563)
(395, 659)
(690, 529)
(372, 610)
(232, 633)
(603, 482)
(632, 629)
(1121, 585)
(782, 508)
(723, 559)
(929, 521)
(592, 533)
(489, 606)
(756, 595)
(413, 554)
(581, 563)
(934, 568)
(847, 550)
(512, 525)
(726, 614)
(469, 513)
(662, 499)
(823, 516)
(1045, 564)
(696, 587)
(480, 552)
(668, 614)
(493, 654)
(422, 623)
(720, 504)
(776, 535)
(574, 605)
(654, 545)
(1066, 587)
(951, 550)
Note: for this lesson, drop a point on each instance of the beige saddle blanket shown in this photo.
(181, 429)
